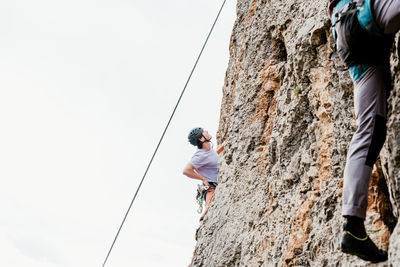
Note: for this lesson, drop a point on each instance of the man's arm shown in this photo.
(190, 172)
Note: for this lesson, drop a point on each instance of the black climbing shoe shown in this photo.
(196, 235)
(363, 248)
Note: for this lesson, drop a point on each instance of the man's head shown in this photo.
(197, 136)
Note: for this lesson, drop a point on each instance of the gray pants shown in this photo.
(370, 102)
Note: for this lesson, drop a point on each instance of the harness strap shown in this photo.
(201, 196)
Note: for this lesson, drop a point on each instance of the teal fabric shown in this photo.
(357, 71)
(339, 6)
(364, 15)
(366, 19)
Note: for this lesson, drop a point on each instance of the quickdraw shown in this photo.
(201, 196)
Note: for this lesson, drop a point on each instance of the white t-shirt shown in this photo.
(206, 164)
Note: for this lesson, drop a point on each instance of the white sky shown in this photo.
(86, 89)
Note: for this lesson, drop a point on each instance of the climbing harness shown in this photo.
(359, 41)
(201, 196)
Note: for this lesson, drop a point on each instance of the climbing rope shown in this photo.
(165, 130)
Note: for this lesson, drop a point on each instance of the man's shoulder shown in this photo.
(199, 153)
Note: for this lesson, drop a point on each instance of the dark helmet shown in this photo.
(194, 135)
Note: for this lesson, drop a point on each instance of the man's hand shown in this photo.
(190, 172)
(205, 183)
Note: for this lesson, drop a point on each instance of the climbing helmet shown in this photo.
(194, 135)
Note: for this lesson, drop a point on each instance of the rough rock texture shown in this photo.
(287, 119)
(390, 154)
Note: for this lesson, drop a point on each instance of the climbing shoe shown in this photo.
(363, 248)
(196, 235)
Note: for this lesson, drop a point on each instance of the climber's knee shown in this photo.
(377, 140)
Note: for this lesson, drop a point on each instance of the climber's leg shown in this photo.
(370, 102)
(209, 199)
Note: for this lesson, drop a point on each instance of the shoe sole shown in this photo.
(361, 256)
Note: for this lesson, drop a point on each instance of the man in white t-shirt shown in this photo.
(204, 163)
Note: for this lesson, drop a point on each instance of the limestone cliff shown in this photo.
(287, 117)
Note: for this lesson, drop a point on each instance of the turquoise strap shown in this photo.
(366, 19)
(357, 71)
(339, 6)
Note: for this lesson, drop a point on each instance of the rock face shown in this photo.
(287, 119)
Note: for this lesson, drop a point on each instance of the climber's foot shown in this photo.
(363, 248)
(196, 235)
